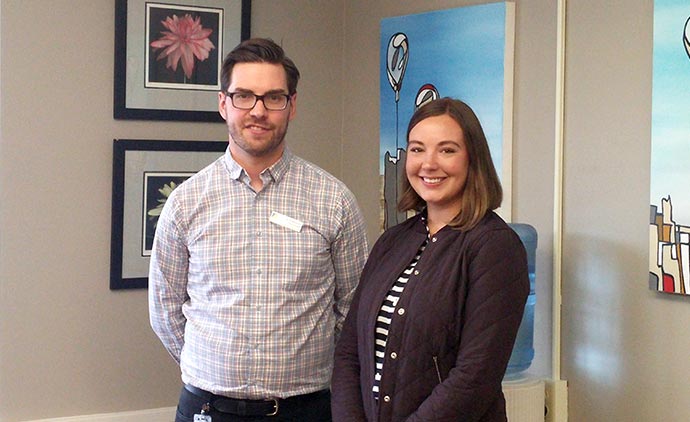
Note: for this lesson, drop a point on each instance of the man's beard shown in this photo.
(264, 148)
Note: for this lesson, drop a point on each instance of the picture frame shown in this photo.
(152, 80)
(144, 174)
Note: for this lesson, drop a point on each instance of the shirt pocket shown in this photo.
(303, 258)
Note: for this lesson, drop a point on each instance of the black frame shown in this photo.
(119, 196)
(120, 110)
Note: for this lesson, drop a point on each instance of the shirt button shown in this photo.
(416, 272)
(433, 239)
(258, 234)
(394, 355)
(386, 399)
(401, 311)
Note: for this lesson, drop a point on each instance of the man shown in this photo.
(255, 260)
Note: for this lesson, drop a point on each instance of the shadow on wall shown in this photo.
(613, 342)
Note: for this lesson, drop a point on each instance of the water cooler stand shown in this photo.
(524, 400)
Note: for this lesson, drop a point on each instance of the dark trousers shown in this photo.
(314, 408)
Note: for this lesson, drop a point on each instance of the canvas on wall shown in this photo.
(669, 225)
(464, 53)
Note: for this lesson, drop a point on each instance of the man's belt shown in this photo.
(245, 407)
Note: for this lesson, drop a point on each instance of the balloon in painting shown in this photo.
(426, 93)
(396, 61)
(686, 37)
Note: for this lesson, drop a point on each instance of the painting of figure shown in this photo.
(465, 53)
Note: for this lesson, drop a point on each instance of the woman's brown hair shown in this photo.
(482, 191)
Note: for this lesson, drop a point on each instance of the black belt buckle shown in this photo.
(275, 406)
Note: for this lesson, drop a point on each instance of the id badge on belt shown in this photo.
(203, 416)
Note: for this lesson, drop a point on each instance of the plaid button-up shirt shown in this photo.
(250, 305)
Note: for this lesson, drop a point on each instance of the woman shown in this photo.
(440, 300)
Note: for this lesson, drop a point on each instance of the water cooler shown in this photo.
(525, 395)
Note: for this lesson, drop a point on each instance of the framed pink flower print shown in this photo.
(168, 56)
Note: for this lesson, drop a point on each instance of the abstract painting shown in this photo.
(669, 217)
(464, 53)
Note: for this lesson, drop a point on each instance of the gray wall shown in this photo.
(64, 337)
(625, 348)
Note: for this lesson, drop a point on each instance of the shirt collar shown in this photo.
(280, 167)
(276, 171)
(420, 222)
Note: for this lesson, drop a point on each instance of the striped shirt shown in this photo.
(248, 290)
(386, 314)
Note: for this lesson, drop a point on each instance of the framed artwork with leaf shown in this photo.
(145, 172)
(168, 56)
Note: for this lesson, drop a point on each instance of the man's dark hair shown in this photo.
(259, 50)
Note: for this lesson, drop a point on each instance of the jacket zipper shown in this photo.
(438, 372)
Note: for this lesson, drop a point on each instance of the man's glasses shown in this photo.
(247, 100)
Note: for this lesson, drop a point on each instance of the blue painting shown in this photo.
(669, 221)
(465, 53)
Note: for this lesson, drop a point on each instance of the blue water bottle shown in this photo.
(523, 351)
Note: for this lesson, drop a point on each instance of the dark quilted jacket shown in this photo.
(453, 329)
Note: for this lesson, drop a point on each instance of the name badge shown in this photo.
(285, 221)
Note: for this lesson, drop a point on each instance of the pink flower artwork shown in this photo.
(185, 39)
